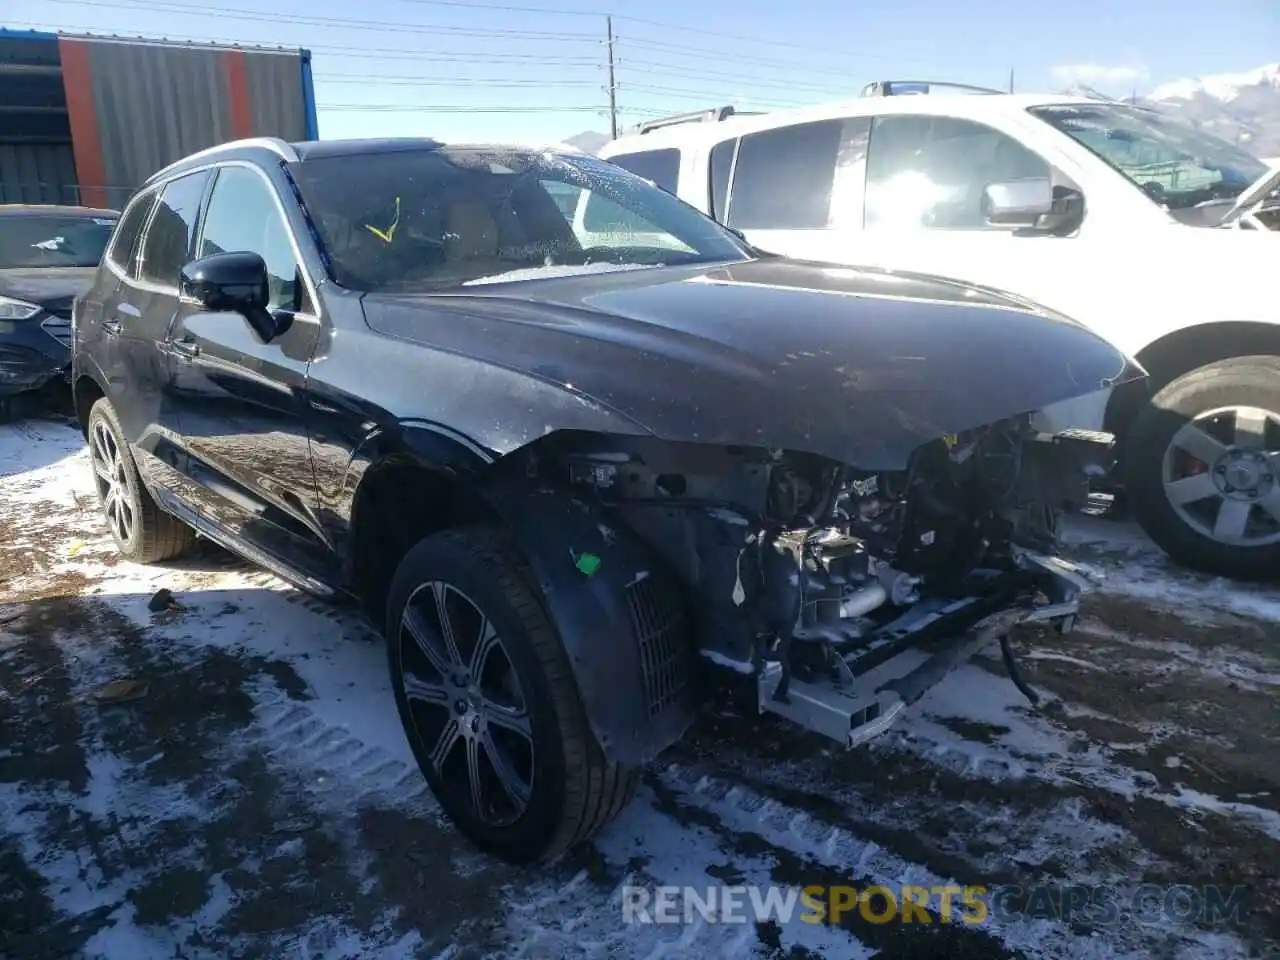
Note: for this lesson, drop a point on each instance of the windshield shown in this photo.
(1176, 165)
(449, 217)
(53, 240)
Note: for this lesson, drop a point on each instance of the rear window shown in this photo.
(125, 243)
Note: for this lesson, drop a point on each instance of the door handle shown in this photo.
(186, 349)
(111, 326)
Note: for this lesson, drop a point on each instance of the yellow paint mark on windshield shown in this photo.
(390, 233)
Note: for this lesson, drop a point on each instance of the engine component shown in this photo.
(900, 588)
(863, 601)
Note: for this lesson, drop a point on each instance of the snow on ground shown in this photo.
(258, 799)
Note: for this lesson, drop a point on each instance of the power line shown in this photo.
(355, 79)
(363, 53)
(647, 68)
(705, 95)
(689, 52)
(477, 108)
(681, 71)
(664, 24)
(613, 83)
(236, 13)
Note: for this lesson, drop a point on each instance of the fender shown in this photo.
(620, 616)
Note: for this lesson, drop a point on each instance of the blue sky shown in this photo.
(535, 68)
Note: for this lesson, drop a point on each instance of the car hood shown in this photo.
(51, 287)
(861, 366)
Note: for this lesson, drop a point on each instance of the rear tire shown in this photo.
(514, 709)
(1227, 518)
(143, 533)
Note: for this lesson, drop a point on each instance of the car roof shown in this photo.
(318, 149)
(45, 209)
(273, 150)
(974, 106)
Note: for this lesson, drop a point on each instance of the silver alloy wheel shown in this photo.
(1221, 474)
(113, 485)
(466, 701)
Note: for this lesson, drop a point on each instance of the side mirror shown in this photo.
(1034, 203)
(232, 283)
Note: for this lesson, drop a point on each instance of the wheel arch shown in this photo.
(85, 392)
(1183, 350)
(615, 606)
(414, 481)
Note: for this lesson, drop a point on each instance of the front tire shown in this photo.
(489, 704)
(1203, 468)
(143, 533)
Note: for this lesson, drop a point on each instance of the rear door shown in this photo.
(139, 318)
(795, 190)
(242, 401)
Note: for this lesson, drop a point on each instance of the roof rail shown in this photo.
(899, 88)
(713, 115)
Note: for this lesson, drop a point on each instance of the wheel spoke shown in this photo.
(441, 593)
(1271, 503)
(473, 776)
(1197, 443)
(509, 718)
(424, 691)
(1198, 486)
(1251, 427)
(445, 743)
(514, 787)
(1233, 518)
(412, 621)
(102, 470)
(486, 642)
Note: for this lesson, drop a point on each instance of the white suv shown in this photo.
(1101, 210)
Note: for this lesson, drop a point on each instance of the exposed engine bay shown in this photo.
(806, 575)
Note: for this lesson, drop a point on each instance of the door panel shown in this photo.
(242, 402)
(923, 212)
(139, 321)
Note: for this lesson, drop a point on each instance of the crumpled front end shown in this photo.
(842, 596)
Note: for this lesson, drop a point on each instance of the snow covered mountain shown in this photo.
(1241, 107)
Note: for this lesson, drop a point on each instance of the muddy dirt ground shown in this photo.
(225, 777)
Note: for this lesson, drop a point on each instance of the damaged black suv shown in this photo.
(581, 461)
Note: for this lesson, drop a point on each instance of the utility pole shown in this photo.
(613, 86)
(1011, 79)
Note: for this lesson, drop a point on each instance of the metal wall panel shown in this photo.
(276, 103)
(37, 173)
(156, 103)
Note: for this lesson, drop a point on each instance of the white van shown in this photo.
(1159, 236)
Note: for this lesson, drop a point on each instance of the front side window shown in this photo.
(167, 245)
(53, 240)
(124, 243)
(444, 217)
(797, 177)
(242, 217)
(1176, 165)
(931, 172)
